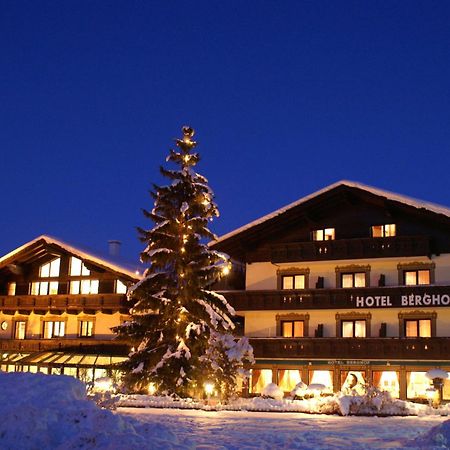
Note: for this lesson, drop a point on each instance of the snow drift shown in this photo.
(53, 412)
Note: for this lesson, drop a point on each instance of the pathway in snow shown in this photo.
(253, 430)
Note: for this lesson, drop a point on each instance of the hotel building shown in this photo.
(350, 280)
(57, 306)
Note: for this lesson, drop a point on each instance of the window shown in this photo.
(326, 234)
(84, 287)
(353, 328)
(44, 288)
(418, 327)
(416, 273)
(51, 269)
(414, 277)
(86, 328)
(292, 325)
(355, 279)
(121, 288)
(20, 327)
(54, 329)
(353, 324)
(417, 324)
(293, 281)
(77, 268)
(12, 288)
(292, 328)
(387, 230)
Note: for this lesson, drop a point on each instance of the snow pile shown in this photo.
(272, 391)
(53, 412)
(437, 437)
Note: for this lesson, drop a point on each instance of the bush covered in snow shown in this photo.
(272, 391)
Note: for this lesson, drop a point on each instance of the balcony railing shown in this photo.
(351, 249)
(352, 348)
(264, 300)
(93, 302)
(82, 345)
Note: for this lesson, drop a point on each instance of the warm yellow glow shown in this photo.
(12, 288)
(431, 393)
(51, 269)
(209, 388)
(186, 158)
(103, 384)
(183, 250)
(265, 377)
(389, 382)
(418, 384)
(151, 389)
(289, 379)
(137, 272)
(323, 377)
(121, 288)
(77, 268)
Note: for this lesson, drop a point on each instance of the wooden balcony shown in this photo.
(81, 345)
(351, 249)
(25, 304)
(437, 348)
(265, 300)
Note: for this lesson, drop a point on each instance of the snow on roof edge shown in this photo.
(438, 209)
(76, 251)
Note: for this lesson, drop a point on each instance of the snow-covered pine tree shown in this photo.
(174, 309)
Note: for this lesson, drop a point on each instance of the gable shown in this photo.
(350, 209)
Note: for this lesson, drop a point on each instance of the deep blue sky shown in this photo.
(286, 97)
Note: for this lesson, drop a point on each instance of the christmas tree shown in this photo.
(176, 318)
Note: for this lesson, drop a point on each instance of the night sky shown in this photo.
(286, 97)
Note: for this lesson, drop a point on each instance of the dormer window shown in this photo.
(387, 230)
(326, 234)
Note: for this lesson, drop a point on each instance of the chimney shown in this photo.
(114, 247)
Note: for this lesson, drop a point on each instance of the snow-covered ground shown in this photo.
(52, 412)
(257, 430)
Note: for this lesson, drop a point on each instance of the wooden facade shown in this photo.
(57, 307)
(349, 279)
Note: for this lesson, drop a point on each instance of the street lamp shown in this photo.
(437, 376)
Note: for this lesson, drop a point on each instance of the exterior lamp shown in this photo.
(103, 385)
(226, 269)
(209, 389)
(437, 377)
(151, 389)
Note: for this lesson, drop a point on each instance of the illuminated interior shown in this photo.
(387, 381)
(288, 379)
(77, 268)
(326, 234)
(121, 288)
(51, 269)
(324, 377)
(44, 288)
(84, 287)
(293, 282)
(12, 288)
(260, 379)
(417, 385)
(387, 230)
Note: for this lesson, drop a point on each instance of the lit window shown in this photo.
(387, 230)
(387, 381)
(415, 277)
(292, 328)
(51, 269)
(12, 288)
(53, 329)
(324, 377)
(288, 379)
(44, 288)
(418, 328)
(260, 379)
(293, 282)
(77, 268)
(417, 385)
(121, 288)
(84, 287)
(86, 328)
(20, 329)
(326, 234)
(353, 328)
(356, 279)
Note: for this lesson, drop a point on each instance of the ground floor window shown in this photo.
(260, 378)
(387, 380)
(417, 385)
(288, 379)
(353, 382)
(324, 377)
(446, 389)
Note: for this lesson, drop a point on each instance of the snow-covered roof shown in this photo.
(126, 269)
(420, 204)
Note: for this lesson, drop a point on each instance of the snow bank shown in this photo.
(437, 437)
(53, 412)
(272, 391)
